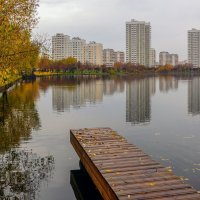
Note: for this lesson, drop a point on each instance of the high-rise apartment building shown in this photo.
(93, 53)
(165, 58)
(61, 46)
(173, 59)
(110, 57)
(119, 56)
(152, 58)
(194, 47)
(77, 45)
(138, 42)
(64, 47)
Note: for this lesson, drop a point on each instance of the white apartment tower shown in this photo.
(194, 47)
(138, 42)
(174, 59)
(164, 58)
(152, 58)
(93, 53)
(61, 46)
(78, 48)
(168, 59)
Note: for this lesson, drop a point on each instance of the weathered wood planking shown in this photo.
(121, 171)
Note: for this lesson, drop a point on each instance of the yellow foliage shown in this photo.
(166, 68)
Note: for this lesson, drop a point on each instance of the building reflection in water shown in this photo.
(138, 100)
(81, 92)
(167, 83)
(194, 96)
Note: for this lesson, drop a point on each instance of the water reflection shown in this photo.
(78, 92)
(18, 115)
(172, 134)
(21, 174)
(83, 187)
(138, 100)
(194, 96)
(167, 83)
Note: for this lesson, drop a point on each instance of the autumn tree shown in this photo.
(17, 50)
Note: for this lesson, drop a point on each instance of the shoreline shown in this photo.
(4, 88)
(100, 74)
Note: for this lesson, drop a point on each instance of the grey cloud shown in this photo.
(104, 20)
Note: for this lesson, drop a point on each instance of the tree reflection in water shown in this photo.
(18, 115)
(21, 174)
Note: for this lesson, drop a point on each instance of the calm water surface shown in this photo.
(160, 115)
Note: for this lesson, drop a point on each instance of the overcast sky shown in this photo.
(104, 21)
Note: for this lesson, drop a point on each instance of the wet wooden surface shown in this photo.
(122, 171)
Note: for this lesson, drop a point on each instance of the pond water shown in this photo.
(161, 115)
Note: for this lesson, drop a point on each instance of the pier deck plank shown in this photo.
(122, 171)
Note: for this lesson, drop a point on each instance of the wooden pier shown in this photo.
(121, 171)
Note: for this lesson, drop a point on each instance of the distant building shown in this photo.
(93, 53)
(77, 45)
(173, 59)
(61, 46)
(163, 58)
(152, 58)
(168, 59)
(138, 42)
(110, 57)
(194, 47)
(119, 56)
(64, 47)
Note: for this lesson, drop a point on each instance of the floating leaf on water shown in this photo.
(108, 170)
(189, 137)
(196, 164)
(183, 178)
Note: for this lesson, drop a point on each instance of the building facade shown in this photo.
(194, 47)
(119, 56)
(93, 53)
(152, 58)
(165, 58)
(77, 45)
(173, 59)
(61, 46)
(64, 47)
(110, 57)
(138, 42)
